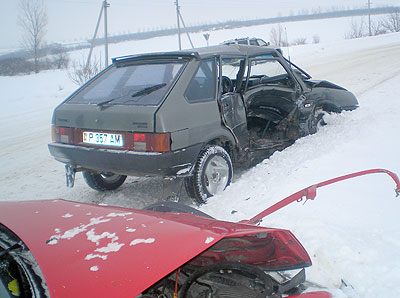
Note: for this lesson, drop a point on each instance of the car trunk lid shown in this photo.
(115, 117)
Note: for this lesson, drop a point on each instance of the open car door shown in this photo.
(233, 111)
(272, 97)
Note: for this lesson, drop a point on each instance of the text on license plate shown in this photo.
(101, 138)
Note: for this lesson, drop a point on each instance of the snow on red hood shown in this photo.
(93, 251)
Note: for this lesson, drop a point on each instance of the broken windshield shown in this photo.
(146, 82)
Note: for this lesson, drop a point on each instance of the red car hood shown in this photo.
(96, 251)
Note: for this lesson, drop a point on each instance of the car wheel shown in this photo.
(212, 174)
(103, 181)
(317, 120)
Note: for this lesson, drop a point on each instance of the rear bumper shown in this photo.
(130, 163)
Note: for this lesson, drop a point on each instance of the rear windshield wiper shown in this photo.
(141, 92)
(101, 104)
(148, 90)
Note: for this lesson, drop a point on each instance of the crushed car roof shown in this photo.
(206, 52)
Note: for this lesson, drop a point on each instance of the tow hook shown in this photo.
(70, 172)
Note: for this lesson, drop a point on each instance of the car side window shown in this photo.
(262, 42)
(203, 85)
(233, 68)
(270, 68)
(268, 72)
(253, 42)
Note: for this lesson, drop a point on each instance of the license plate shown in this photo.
(102, 138)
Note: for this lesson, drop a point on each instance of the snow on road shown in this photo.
(351, 230)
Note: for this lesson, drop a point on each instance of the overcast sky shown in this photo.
(71, 20)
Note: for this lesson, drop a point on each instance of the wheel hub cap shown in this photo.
(216, 175)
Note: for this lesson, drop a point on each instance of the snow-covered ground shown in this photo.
(351, 230)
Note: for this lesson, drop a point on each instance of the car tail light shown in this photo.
(62, 134)
(152, 142)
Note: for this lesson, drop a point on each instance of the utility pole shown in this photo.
(105, 5)
(179, 26)
(179, 17)
(369, 17)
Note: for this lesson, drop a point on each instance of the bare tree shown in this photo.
(277, 35)
(61, 60)
(33, 20)
(377, 28)
(357, 30)
(81, 73)
(392, 22)
(300, 41)
(15, 66)
(60, 57)
(316, 38)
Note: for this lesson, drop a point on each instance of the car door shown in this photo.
(233, 110)
(272, 94)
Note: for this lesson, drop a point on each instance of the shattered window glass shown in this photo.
(230, 67)
(270, 68)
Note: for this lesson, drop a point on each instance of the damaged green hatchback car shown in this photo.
(193, 114)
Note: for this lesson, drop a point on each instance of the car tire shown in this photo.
(212, 173)
(103, 181)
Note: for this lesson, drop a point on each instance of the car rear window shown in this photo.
(141, 83)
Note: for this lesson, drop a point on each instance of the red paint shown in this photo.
(154, 244)
(162, 243)
(309, 193)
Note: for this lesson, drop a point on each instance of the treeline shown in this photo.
(55, 56)
(248, 23)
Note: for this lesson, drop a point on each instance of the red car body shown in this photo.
(86, 250)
